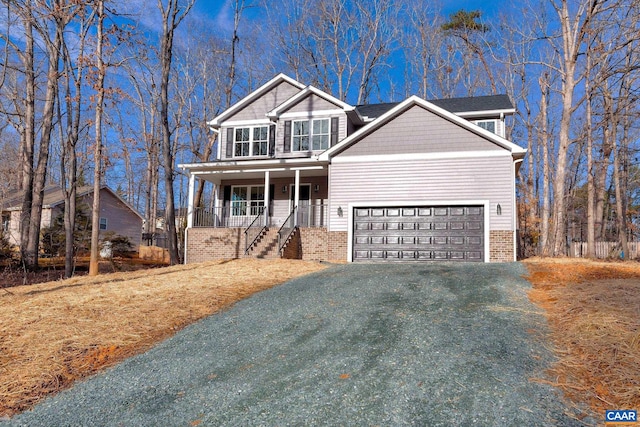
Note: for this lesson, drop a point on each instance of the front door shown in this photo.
(303, 203)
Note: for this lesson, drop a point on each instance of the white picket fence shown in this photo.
(604, 249)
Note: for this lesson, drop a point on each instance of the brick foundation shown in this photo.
(206, 244)
(312, 244)
(501, 246)
(318, 244)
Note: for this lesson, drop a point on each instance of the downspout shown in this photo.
(515, 211)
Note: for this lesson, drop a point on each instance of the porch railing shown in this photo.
(312, 216)
(288, 227)
(227, 217)
(254, 230)
(223, 217)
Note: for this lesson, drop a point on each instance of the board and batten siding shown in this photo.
(419, 131)
(420, 182)
(258, 109)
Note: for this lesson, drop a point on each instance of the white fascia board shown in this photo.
(254, 122)
(251, 163)
(486, 113)
(216, 122)
(420, 156)
(486, 214)
(307, 114)
(410, 102)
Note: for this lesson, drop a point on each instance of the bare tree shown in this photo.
(172, 14)
(101, 70)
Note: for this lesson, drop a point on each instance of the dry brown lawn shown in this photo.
(52, 334)
(593, 310)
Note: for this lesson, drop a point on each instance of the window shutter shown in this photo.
(227, 195)
(272, 140)
(230, 142)
(334, 130)
(287, 136)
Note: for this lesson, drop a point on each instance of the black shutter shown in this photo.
(226, 190)
(287, 136)
(272, 140)
(334, 130)
(272, 192)
(229, 143)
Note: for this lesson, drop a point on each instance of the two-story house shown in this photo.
(299, 173)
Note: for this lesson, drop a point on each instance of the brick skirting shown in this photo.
(312, 244)
(501, 246)
(206, 244)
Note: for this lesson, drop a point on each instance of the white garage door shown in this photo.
(418, 233)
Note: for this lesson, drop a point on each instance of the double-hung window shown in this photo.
(251, 141)
(247, 200)
(6, 221)
(489, 125)
(310, 135)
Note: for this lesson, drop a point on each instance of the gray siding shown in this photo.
(419, 131)
(120, 219)
(311, 103)
(416, 181)
(281, 201)
(267, 102)
(280, 153)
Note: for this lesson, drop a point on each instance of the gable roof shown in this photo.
(476, 105)
(53, 196)
(302, 95)
(516, 151)
(280, 78)
(463, 107)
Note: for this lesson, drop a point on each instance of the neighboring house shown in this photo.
(116, 215)
(301, 174)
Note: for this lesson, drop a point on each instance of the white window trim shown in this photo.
(250, 141)
(247, 202)
(310, 135)
(106, 224)
(496, 125)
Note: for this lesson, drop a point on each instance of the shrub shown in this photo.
(120, 245)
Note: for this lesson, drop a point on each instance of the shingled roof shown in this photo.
(453, 105)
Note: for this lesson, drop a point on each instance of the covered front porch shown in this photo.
(261, 197)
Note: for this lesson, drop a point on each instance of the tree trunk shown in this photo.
(97, 155)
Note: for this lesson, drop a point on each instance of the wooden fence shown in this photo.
(604, 250)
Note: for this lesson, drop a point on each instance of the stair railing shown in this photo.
(286, 230)
(250, 237)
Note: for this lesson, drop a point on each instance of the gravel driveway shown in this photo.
(364, 344)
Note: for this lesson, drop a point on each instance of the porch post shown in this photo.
(296, 198)
(192, 184)
(215, 202)
(266, 198)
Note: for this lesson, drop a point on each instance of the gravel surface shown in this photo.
(357, 344)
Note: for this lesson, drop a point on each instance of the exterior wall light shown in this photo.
(340, 211)
(316, 188)
(284, 188)
(499, 209)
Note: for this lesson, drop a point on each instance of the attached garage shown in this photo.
(419, 233)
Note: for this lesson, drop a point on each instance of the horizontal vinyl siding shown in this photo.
(120, 219)
(421, 182)
(311, 103)
(419, 131)
(281, 205)
(267, 102)
(280, 153)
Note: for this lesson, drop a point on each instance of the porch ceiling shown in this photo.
(226, 172)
